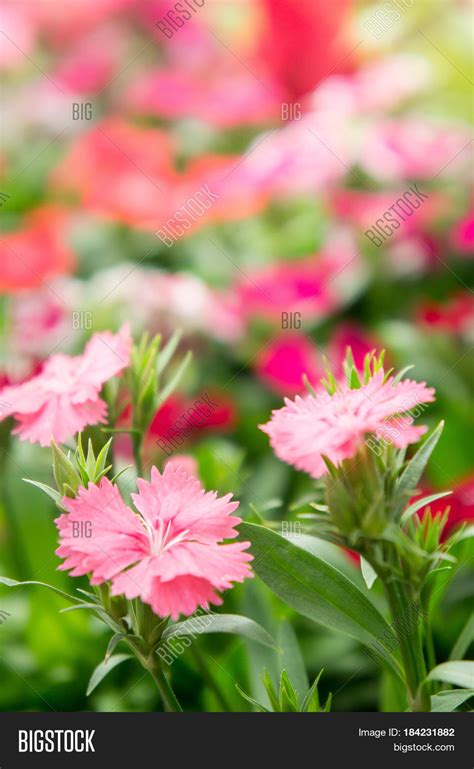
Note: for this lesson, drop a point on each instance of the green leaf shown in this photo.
(13, 583)
(310, 703)
(397, 378)
(458, 672)
(173, 383)
(220, 623)
(317, 590)
(88, 606)
(291, 659)
(410, 511)
(257, 705)
(113, 643)
(407, 482)
(368, 572)
(466, 638)
(463, 533)
(64, 472)
(104, 669)
(446, 702)
(55, 495)
(168, 351)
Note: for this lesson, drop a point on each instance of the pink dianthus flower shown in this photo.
(64, 397)
(336, 425)
(170, 556)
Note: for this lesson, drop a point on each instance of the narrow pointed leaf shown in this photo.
(368, 573)
(458, 672)
(220, 623)
(291, 659)
(446, 702)
(104, 669)
(465, 639)
(13, 583)
(55, 495)
(168, 351)
(410, 511)
(408, 480)
(173, 383)
(317, 590)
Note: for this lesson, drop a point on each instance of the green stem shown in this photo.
(149, 661)
(430, 650)
(209, 678)
(137, 453)
(17, 550)
(405, 610)
(167, 694)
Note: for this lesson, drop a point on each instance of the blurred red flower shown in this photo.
(38, 251)
(303, 41)
(456, 316)
(120, 171)
(460, 502)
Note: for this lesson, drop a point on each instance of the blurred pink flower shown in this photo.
(41, 319)
(90, 63)
(185, 461)
(304, 156)
(283, 362)
(170, 556)
(463, 234)
(315, 286)
(63, 23)
(350, 334)
(64, 397)
(362, 209)
(19, 31)
(201, 81)
(414, 148)
(131, 168)
(38, 251)
(365, 90)
(335, 426)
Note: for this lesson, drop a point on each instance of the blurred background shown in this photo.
(232, 168)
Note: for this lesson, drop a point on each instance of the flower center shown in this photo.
(162, 538)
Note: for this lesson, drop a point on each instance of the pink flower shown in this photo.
(315, 286)
(170, 556)
(335, 425)
(283, 362)
(64, 397)
(463, 234)
(89, 64)
(349, 334)
(201, 81)
(414, 149)
(186, 462)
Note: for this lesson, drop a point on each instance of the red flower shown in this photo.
(120, 171)
(283, 362)
(302, 41)
(460, 502)
(37, 252)
(456, 316)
